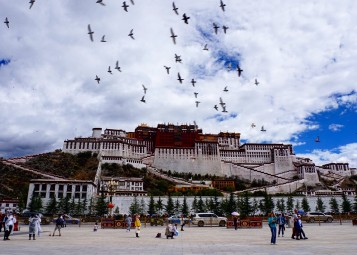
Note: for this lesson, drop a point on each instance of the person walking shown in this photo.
(137, 225)
(128, 221)
(281, 224)
(39, 228)
(9, 222)
(33, 224)
(272, 224)
(183, 223)
(59, 224)
(235, 222)
(95, 228)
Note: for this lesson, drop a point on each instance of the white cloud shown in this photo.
(335, 127)
(301, 53)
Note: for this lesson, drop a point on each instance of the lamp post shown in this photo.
(111, 189)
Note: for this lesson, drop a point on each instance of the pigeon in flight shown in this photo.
(185, 18)
(224, 108)
(97, 79)
(197, 103)
(178, 58)
(132, 2)
(167, 69)
(215, 28)
(253, 125)
(179, 78)
(225, 89)
(215, 107)
(7, 22)
(317, 139)
(225, 29)
(103, 39)
(131, 34)
(222, 5)
(221, 102)
(196, 93)
(173, 36)
(117, 66)
(193, 82)
(144, 88)
(31, 3)
(174, 8)
(205, 48)
(125, 6)
(109, 71)
(90, 32)
(256, 82)
(143, 99)
(263, 129)
(239, 70)
(100, 2)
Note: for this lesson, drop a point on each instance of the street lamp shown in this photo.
(111, 191)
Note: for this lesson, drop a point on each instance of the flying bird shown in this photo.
(109, 71)
(103, 39)
(90, 32)
(197, 103)
(185, 18)
(31, 3)
(178, 58)
(239, 70)
(205, 48)
(224, 108)
(263, 129)
(97, 79)
(215, 27)
(100, 2)
(193, 82)
(125, 6)
(222, 5)
(144, 88)
(132, 2)
(7, 22)
(196, 93)
(221, 102)
(215, 107)
(256, 82)
(167, 69)
(317, 139)
(174, 8)
(179, 78)
(143, 99)
(173, 36)
(253, 125)
(225, 29)
(117, 66)
(131, 34)
(225, 89)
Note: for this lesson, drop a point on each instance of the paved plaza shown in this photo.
(324, 239)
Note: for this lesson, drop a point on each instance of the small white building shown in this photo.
(47, 189)
(122, 186)
(9, 205)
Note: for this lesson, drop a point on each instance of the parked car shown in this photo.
(177, 219)
(316, 216)
(68, 219)
(210, 219)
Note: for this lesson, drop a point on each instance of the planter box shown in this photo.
(250, 222)
(354, 222)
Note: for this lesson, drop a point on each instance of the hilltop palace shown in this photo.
(184, 148)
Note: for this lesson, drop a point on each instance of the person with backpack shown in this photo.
(9, 222)
(281, 224)
(59, 224)
(33, 226)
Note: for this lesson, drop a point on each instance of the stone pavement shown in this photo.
(325, 239)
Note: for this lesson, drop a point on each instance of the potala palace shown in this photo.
(185, 148)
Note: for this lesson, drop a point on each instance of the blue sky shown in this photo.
(303, 53)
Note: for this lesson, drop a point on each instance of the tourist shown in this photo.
(281, 224)
(33, 223)
(272, 224)
(9, 222)
(297, 227)
(59, 224)
(39, 229)
(292, 220)
(128, 220)
(137, 225)
(2, 216)
(235, 222)
(95, 228)
(182, 221)
(302, 233)
(169, 231)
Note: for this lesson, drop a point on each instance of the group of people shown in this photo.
(137, 224)
(280, 221)
(8, 221)
(34, 226)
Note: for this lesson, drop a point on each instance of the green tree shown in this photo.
(305, 204)
(334, 205)
(184, 209)
(280, 205)
(142, 209)
(297, 205)
(268, 204)
(35, 204)
(290, 204)
(151, 210)
(194, 205)
(201, 205)
(72, 206)
(51, 207)
(245, 205)
(255, 206)
(177, 206)
(90, 207)
(346, 204)
(101, 206)
(217, 206)
(159, 205)
(320, 207)
(170, 206)
(134, 207)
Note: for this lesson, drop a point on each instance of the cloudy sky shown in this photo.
(303, 54)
